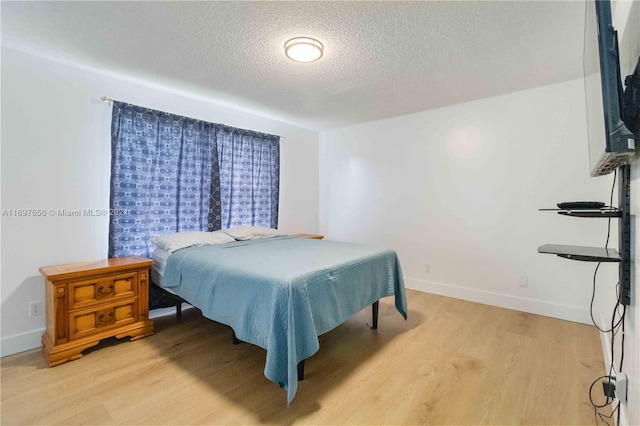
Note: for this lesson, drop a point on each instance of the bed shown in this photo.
(281, 293)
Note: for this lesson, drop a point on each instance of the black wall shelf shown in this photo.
(601, 254)
(603, 213)
(590, 213)
(585, 254)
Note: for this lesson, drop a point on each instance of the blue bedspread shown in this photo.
(281, 293)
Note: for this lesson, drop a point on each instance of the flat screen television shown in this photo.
(611, 144)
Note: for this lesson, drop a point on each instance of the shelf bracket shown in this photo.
(624, 233)
(598, 254)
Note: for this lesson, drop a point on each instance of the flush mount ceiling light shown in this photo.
(303, 49)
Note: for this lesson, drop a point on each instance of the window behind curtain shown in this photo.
(165, 172)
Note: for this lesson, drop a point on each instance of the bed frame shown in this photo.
(374, 326)
(179, 301)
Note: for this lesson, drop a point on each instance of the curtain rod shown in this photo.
(108, 100)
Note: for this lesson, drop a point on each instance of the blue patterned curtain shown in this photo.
(249, 165)
(166, 176)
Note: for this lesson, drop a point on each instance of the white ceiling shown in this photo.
(382, 59)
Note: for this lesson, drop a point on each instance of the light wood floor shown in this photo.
(452, 362)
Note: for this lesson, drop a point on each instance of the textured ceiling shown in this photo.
(382, 59)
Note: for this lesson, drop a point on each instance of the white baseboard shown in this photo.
(21, 342)
(539, 307)
(605, 340)
(11, 345)
(163, 312)
(532, 306)
(31, 340)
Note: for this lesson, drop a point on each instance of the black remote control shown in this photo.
(581, 205)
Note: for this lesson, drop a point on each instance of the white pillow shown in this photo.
(219, 237)
(180, 240)
(241, 233)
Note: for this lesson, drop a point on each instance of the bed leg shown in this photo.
(179, 309)
(374, 313)
(301, 371)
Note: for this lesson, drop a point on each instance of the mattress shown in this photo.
(160, 257)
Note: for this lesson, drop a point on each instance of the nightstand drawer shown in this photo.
(91, 301)
(90, 321)
(100, 290)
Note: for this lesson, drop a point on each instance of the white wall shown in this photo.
(459, 188)
(56, 155)
(626, 20)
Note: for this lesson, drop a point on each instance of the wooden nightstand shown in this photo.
(310, 236)
(90, 301)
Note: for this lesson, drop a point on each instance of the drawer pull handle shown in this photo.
(101, 318)
(102, 293)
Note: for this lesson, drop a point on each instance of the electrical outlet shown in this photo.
(427, 268)
(35, 308)
(524, 281)
(621, 387)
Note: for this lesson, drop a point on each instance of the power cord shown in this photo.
(617, 324)
(597, 414)
(593, 296)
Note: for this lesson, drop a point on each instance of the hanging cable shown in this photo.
(617, 324)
